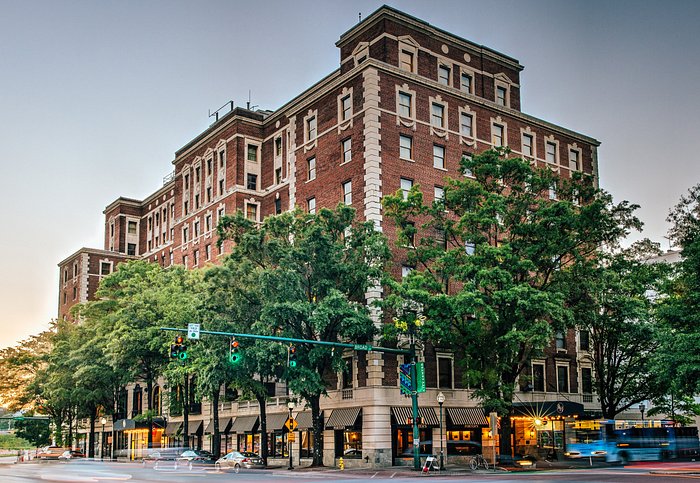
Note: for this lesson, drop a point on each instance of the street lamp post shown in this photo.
(441, 400)
(102, 439)
(642, 407)
(290, 405)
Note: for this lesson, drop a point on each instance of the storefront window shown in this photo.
(463, 442)
(404, 441)
(307, 444)
(277, 444)
(348, 443)
(249, 442)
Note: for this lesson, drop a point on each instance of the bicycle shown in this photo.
(478, 461)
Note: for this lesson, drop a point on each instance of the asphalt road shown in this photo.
(89, 472)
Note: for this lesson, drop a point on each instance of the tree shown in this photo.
(611, 302)
(36, 431)
(489, 262)
(315, 270)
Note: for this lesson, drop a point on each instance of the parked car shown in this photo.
(51, 452)
(237, 460)
(159, 455)
(71, 454)
(195, 457)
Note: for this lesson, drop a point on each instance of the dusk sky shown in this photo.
(96, 97)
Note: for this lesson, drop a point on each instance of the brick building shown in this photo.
(406, 103)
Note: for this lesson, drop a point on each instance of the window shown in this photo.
(406, 185)
(444, 74)
(347, 193)
(209, 163)
(278, 206)
(220, 213)
(406, 60)
(584, 340)
(444, 373)
(311, 205)
(405, 271)
(538, 377)
(252, 152)
(467, 171)
(560, 340)
(222, 158)
(105, 268)
(207, 222)
(405, 147)
(346, 145)
(278, 146)
(311, 128)
(186, 207)
(207, 252)
(197, 172)
(187, 182)
(553, 191)
(404, 104)
(184, 260)
(466, 122)
(347, 377)
(346, 107)
(208, 194)
(437, 117)
(185, 234)
(469, 247)
(195, 258)
(131, 228)
(497, 135)
(222, 182)
(252, 181)
(573, 160)
(410, 232)
(251, 211)
(196, 201)
(526, 141)
(131, 249)
(501, 96)
(439, 195)
(550, 152)
(563, 378)
(466, 82)
(586, 380)
(438, 156)
(311, 165)
(278, 175)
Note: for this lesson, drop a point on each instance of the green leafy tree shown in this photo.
(315, 272)
(611, 301)
(489, 260)
(36, 431)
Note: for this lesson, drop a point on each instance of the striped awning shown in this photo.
(195, 427)
(470, 417)
(343, 418)
(244, 424)
(275, 421)
(224, 424)
(304, 420)
(172, 428)
(403, 413)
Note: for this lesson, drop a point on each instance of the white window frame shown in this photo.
(347, 192)
(403, 183)
(527, 131)
(346, 148)
(439, 154)
(573, 148)
(470, 74)
(437, 115)
(345, 117)
(311, 205)
(403, 120)
(495, 124)
(568, 377)
(500, 81)
(402, 149)
(451, 358)
(544, 374)
(550, 141)
(311, 168)
(252, 202)
(442, 67)
(409, 45)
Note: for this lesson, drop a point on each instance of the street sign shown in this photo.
(420, 377)
(291, 424)
(362, 347)
(406, 386)
(493, 423)
(193, 331)
(291, 437)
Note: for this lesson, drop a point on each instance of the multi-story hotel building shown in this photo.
(406, 103)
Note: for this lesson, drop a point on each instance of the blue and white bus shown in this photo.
(623, 441)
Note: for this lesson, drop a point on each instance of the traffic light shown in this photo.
(178, 350)
(234, 355)
(292, 356)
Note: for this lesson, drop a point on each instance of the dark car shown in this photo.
(195, 457)
(239, 459)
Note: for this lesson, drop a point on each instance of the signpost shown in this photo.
(193, 331)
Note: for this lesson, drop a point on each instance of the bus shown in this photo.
(623, 441)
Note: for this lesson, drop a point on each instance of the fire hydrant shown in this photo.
(341, 463)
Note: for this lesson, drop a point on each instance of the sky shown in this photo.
(96, 97)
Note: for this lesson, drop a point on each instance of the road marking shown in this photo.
(373, 475)
(392, 475)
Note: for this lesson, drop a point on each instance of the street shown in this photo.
(89, 471)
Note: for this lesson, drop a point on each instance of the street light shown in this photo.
(102, 443)
(642, 407)
(290, 405)
(441, 400)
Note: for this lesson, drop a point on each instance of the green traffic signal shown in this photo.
(292, 356)
(234, 356)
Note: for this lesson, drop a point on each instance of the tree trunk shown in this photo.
(70, 430)
(506, 431)
(216, 442)
(186, 411)
(262, 403)
(149, 415)
(315, 401)
(91, 444)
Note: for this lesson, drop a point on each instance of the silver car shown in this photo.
(238, 460)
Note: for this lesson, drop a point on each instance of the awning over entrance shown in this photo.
(173, 428)
(402, 415)
(275, 421)
(467, 417)
(343, 418)
(224, 425)
(548, 409)
(195, 427)
(305, 421)
(244, 424)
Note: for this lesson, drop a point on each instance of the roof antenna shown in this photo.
(359, 15)
(248, 103)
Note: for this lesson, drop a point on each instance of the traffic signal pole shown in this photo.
(411, 353)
